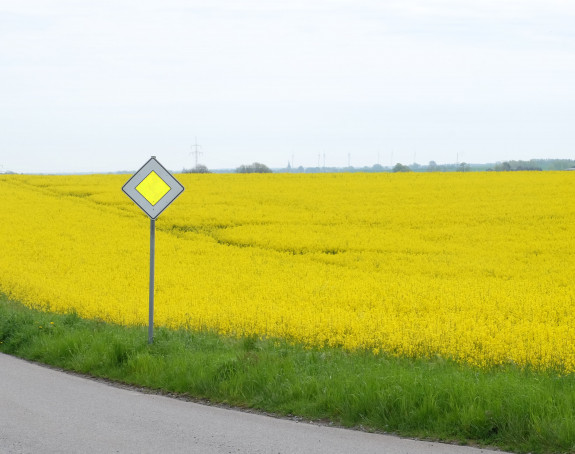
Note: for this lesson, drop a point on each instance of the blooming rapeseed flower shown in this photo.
(477, 267)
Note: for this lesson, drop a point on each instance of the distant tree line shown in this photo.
(505, 166)
(533, 164)
(400, 168)
(256, 167)
(200, 168)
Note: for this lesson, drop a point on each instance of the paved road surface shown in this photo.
(46, 411)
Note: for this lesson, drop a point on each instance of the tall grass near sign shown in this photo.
(474, 268)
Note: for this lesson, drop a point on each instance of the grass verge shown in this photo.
(513, 409)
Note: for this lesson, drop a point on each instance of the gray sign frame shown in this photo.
(153, 211)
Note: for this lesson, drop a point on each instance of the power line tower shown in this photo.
(196, 151)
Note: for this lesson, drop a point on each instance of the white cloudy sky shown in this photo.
(96, 86)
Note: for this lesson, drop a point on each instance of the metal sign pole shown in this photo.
(153, 189)
(152, 256)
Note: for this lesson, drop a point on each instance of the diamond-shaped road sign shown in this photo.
(153, 188)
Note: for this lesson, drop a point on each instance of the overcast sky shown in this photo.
(97, 86)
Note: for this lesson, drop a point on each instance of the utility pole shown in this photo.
(196, 152)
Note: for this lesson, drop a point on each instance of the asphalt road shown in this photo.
(47, 411)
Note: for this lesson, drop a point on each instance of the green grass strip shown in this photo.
(513, 409)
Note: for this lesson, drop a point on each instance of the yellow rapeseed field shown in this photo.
(478, 267)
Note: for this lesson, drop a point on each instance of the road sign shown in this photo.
(153, 188)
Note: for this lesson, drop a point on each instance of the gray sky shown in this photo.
(96, 86)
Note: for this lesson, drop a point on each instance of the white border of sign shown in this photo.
(153, 211)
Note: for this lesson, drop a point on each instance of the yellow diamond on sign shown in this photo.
(153, 188)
